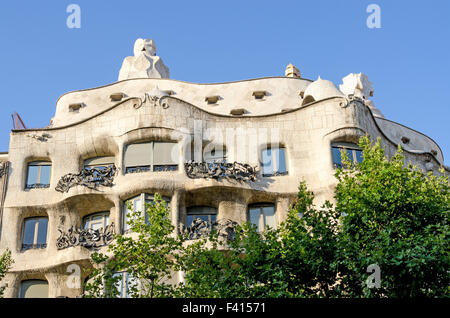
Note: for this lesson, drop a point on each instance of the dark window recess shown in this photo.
(165, 167)
(137, 169)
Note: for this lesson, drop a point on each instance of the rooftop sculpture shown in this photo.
(144, 63)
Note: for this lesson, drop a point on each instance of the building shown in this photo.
(235, 151)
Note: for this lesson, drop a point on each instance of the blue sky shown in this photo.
(407, 59)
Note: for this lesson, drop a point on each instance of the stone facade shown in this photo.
(135, 110)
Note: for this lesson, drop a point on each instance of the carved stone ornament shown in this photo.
(91, 178)
(225, 229)
(152, 100)
(220, 170)
(4, 165)
(88, 238)
(43, 137)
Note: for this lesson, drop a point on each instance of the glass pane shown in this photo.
(254, 215)
(119, 284)
(42, 231)
(266, 161)
(45, 175)
(96, 225)
(349, 153)
(269, 216)
(281, 160)
(32, 175)
(34, 289)
(28, 236)
(138, 155)
(359, 155)
(106, 220)
(336, 156)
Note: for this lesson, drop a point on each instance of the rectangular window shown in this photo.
(273, 161)
(96, 221)
(354, 154)
(34, 233)
(125, 284)
(138, 203)
(262, 216)
(151, 156)
(203, 213)
(215, 155)
(38, 174)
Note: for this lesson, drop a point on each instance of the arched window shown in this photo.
(33, 288)
(38, 174)
(262, 215)
(34, 233)
(353, 152)
(137, 203)
(151, 156)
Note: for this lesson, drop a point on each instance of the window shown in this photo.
(138, 204)
(148, 156)
(99, 162)
(262, 215)
(33, 288)
(96, 221)
(273, 161)
(217, 154)
(38, 175)
(126, 284)
(354, 154)
(34, 233)
(205, 213)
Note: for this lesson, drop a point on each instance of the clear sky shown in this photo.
(407, 59)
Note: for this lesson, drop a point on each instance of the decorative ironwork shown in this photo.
(219, 170)
(37, 186)
(152, 100)
(88, 177)
(225, 229)
(88, 238)
(4, 165)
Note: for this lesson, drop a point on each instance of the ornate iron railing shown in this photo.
(88, 177)
(224, 228)
(220, 170)
(88, 238)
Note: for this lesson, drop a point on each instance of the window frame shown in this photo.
(34, 245)
(144, 197)
(261, 226)
(38, 184)
(21, 287)
(275, 169)
(88, 218)
(354, 148)
(210, 221)
(151, 167)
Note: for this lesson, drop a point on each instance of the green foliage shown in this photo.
(148, 254)
(387, 213)
(396, 216)
(5, 264)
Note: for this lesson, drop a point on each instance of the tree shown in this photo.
(148, 255)
(395, 216)
(389, 216)
(5, 264)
